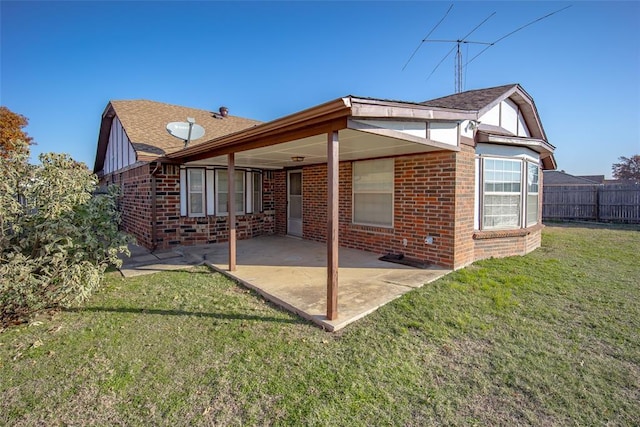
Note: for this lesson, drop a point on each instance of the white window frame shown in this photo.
(253, 192)
(523, 194)
(498, 178)
(219, 189)
(250, 194)
(529, 193)
(203, 192)
(355, 191)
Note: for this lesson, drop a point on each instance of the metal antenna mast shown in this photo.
(458, 64)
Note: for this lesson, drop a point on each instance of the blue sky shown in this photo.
(61, 62)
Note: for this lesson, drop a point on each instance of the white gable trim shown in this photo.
(120, 153)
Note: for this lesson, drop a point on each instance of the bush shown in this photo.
(57, 238)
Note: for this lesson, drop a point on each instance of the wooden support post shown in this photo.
(333, 159)
(231, 198)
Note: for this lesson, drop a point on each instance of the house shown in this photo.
(447, 181)
(556, 178)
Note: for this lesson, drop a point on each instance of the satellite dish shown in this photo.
(187, 131)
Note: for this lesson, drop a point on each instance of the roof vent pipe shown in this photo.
(224, 111)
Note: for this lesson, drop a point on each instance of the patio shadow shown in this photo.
(222, 316)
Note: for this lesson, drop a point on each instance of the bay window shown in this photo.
(501, 199)
(532, 194)
(508, 193)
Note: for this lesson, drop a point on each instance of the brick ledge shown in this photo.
(370, 229)
(499, 234)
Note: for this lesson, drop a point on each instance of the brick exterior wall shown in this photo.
(280, 201)
(464, 248)
(425, 204)
(518, 243)
(433, 197)
(136, 208)
(135, 202)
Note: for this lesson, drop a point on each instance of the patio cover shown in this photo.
(348, 128)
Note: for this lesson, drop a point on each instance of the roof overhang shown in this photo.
(304, 134)
(540, 146)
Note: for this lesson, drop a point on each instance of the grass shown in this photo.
(552, 338)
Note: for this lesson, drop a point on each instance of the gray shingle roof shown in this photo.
(471, 99)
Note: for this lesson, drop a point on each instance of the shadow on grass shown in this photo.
(222, 316)
(593, 225)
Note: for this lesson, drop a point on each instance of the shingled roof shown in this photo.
(471, 99)
(145, 124)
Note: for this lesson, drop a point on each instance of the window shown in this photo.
(532, 194)
(196, 191)
(373, 192)
(257, 191)
(502, 189)
(509, 190)
(205, 192)
(222, 191)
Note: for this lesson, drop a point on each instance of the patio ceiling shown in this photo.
(304, 134)
(354, 144)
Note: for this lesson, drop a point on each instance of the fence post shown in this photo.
(598, 203)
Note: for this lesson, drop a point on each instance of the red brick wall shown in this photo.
(172, 229)
(424, 205)
(499, 247)
(465, 206)
(135, 202)
(280, 201)
(433, 196)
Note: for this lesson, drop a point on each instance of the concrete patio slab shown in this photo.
(292, 273)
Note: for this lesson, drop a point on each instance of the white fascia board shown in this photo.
(366, 108)
(390, 133)
(537, 145)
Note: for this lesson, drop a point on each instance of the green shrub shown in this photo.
(56, 237)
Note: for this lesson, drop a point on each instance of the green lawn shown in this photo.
(552, 338)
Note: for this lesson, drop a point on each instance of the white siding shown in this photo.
(523, 130)
(509, 116)
(120, 152)
(418, 129)
(446, 132)
(466, 129)
(506, 151)
(491, 117)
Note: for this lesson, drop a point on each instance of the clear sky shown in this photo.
(61, 62)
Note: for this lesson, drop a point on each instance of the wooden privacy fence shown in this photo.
(614, 202)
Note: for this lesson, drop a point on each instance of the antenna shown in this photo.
(458, 67)
(425, 39)
(515, 31)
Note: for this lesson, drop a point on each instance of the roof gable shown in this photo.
(483, 100)
(145, 121)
